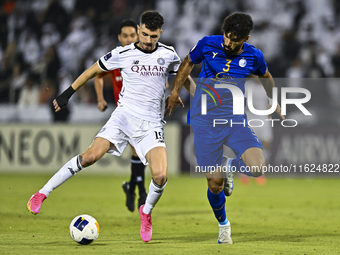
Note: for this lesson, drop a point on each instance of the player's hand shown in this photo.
(62, 100)
(56, 106)
(171, 102)
(102, 105)
(278, 111)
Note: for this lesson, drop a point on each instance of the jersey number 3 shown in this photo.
(227, 65)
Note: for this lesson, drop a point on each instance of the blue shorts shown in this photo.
(209, 141)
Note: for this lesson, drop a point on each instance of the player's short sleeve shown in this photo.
(109, 61)
(196, 52)
(173, 67)
(260, 67)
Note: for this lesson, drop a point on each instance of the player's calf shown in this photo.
(228, 175)
(215, 185)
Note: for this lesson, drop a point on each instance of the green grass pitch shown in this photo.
(286, 216)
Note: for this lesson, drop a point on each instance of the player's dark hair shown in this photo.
(238, 24)
(152, 20)
(127, 23)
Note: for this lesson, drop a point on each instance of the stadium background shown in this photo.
(45, 45)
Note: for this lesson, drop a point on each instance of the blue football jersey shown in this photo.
(220, 68)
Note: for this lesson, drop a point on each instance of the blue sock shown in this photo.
(217, 202)
(238, 165)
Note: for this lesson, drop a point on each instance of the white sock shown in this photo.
(66, 172)
(155, 193)
(224, 223)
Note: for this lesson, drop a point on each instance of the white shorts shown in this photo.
(123, 128)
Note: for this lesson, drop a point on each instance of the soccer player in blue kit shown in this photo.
(226, 60)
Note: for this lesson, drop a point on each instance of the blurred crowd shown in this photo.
(45, 45)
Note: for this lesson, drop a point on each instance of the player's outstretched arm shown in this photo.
(62, 100)
(182, 75)
(190, 85)
(268, 83)
(98, 85)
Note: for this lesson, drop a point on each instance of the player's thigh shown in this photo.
(158, 163)
(134, 153)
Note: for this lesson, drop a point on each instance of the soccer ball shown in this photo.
(84, 229)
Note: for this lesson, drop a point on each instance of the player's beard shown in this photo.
(147, 47)
(231, 51)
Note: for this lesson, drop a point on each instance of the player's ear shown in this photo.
(138, 28)
(119, 39)
(247, 38)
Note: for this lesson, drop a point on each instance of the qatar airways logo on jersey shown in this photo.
(238, 105)
(149, 70)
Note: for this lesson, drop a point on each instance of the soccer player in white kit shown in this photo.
(137, 120)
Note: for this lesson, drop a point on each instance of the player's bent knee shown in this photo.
(159, 179)
(257, 173)
(257, 170)
(254, 160)
(88, 159)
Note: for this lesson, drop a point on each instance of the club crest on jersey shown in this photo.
(107, 56)
(242, 62)
(161, 61)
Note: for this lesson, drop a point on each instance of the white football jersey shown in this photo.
(144, 77)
